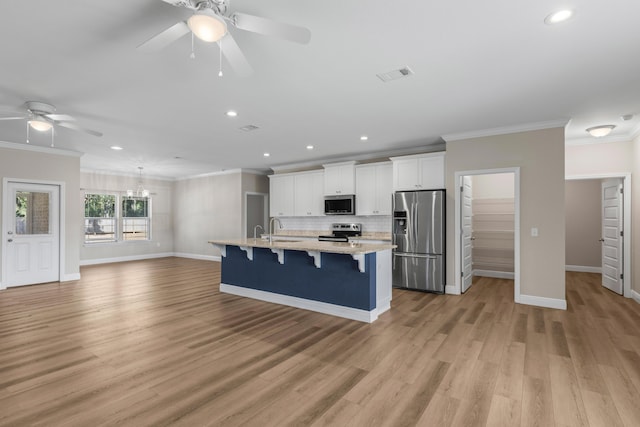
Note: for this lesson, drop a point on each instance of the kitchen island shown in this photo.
(351, 280)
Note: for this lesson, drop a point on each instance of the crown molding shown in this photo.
(126, 174)
(317, 164)
(603, 140)
(527, 127)
(39, 149)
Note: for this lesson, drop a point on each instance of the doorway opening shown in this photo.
(487, 227)
(598, 223)
(256, 213)
(32, 233)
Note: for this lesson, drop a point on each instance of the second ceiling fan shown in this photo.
(209, 23)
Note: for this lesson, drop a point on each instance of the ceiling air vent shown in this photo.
(395, 74)
(249, 128)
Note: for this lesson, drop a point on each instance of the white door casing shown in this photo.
(466, 232)
(612, 235)
(31, 233)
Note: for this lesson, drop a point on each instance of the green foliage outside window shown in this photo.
(135, 208)
(99, 206)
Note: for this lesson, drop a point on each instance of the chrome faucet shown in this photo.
(255, 231)
(271, 228)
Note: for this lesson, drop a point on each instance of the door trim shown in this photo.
(626, 244)
(61, 225)
(457, 288)
(265, 196)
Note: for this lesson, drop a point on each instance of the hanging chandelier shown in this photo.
(140, 191)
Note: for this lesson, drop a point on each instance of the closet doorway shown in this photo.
(487, 224)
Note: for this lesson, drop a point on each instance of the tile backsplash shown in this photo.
(379, 223)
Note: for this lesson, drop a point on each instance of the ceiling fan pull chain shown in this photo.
(52, 132)
(193, 53)
(28, 131)
(220, 47)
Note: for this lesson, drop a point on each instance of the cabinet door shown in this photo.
(405, 174)
(308, 195)
(384, 189)
(431, 173)
(339, 180)
(281, 193)
(366, 192)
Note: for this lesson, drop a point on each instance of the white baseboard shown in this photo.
(125, 258)
(197, 256)
(583, 269)
(559, 304)
(70, 277)
(635, 295)
(320, 307)
(451, 290)
(495, 274)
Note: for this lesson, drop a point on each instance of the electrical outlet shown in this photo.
(534, 232)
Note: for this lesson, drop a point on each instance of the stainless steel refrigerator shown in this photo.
(419, 233)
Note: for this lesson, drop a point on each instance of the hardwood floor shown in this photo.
(154, 343)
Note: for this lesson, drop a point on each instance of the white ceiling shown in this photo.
(478, 65)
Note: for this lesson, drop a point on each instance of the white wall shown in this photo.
(19, 162)
(161, 218)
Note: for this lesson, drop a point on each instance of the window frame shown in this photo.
(147, 219)
(114, 218)
(118, 219)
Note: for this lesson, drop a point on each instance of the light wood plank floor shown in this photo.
(154, 343)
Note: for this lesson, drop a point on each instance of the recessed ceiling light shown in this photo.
(115, 147)
(309, 147)
(266, 154)
(559, 16)
(364, 138)
(600, 131)
(232, 113)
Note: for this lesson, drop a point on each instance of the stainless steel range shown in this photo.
(342, 231)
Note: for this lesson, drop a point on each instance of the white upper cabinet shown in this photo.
(308, 194)
(373, 189)
(281, 195)
(419, 172)
(339, 178)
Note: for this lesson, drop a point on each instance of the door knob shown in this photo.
(601, 240)
(9, 232)
(10, 240)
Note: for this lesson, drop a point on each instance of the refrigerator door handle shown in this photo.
(406, 255)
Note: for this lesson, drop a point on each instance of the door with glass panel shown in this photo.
(31, 229)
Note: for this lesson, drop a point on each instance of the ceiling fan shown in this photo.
(209, 23)
(41, 117)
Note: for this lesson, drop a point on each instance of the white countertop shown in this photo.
(308, 245)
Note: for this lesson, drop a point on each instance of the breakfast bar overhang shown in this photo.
(351, 280)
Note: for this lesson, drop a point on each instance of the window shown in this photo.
(100, 223)
(136, 221)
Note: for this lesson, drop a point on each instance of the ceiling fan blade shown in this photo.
(78, 128)
(60, 117)
(14, 118)
(268, 27)
(165, 38)
(234, 55)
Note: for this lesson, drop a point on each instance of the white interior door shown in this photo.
(466, 232)
(31, 230)
(612, 235)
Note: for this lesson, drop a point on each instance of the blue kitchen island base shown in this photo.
(339, 284)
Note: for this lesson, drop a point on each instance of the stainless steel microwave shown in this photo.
(340, 205)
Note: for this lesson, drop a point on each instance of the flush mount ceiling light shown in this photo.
(40, 125)
(207, 26)
(232, 113)
(364, 138)
(309, 147)
(559, 16)
(600, 131)
(116, 147)
(266, 154)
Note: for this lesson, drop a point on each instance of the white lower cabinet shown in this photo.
(373, 189)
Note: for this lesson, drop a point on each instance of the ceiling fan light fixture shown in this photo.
(40, 125)
(207, 26)
(558, 17)
(600, 131)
